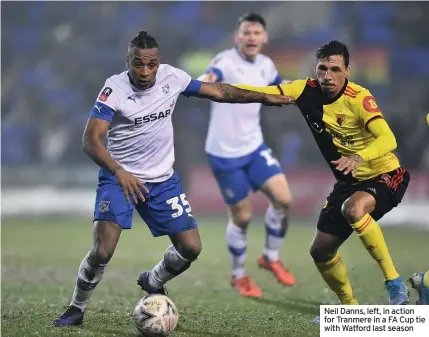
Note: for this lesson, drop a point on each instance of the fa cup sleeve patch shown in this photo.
(105, 94)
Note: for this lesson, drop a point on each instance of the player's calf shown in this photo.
(89, 275)
(324, 251)
(91, 271)
(357, 211)
(276, 225)
(236, 236)
(172, 265)
(236, 240)
(275, 231)
(321, 253)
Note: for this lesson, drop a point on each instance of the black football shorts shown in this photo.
(388, 189)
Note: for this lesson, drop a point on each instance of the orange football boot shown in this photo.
(246, 287)
(283, 275)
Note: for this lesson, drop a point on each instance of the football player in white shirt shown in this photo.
(134, 109)
(240, 160)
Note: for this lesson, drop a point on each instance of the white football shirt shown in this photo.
(140, 136)
(234, 129)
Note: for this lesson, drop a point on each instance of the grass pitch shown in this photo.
(40, 260)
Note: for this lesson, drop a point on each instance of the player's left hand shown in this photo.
(348, 164)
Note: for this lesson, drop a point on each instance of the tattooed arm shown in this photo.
(225, 93)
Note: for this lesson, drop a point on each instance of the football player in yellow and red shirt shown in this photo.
(357, 143)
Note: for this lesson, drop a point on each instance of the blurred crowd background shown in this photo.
(57, 55)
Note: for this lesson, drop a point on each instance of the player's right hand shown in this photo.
(130, 185)
(277, 100)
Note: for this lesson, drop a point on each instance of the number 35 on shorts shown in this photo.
(179, 205)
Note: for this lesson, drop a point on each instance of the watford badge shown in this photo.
(341, 119)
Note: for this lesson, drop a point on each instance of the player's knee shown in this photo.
(282, 205)
(191, 250)
(280, 212)
(242, 218)
(102, 255)
(352, 211)
(320, 253)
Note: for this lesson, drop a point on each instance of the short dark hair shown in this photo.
(334, 48)
(144, 40)
(251, 17)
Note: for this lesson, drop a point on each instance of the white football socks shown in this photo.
(172, 265)
(274, 235)
(236, 240)
(89, 275)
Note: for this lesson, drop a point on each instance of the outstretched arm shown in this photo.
(292, 89)
(226, 93)
(213, 77)
(272, 89)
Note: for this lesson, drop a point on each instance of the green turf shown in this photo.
(40, 260)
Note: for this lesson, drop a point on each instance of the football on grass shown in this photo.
(155, 316)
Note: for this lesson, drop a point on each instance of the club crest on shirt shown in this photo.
(341, 118)
(166, 89)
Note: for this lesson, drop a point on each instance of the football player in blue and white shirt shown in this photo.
(239, 158)
(134, 109)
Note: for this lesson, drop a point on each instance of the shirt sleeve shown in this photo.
(293, 89)
(218, 66)
(274, 76)
(367, 107)
(188, 86)
(106, 103)
(182, 77)
(277, 80)
(102, 111)
(192, 88)
(370, 114)
(385, 140)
